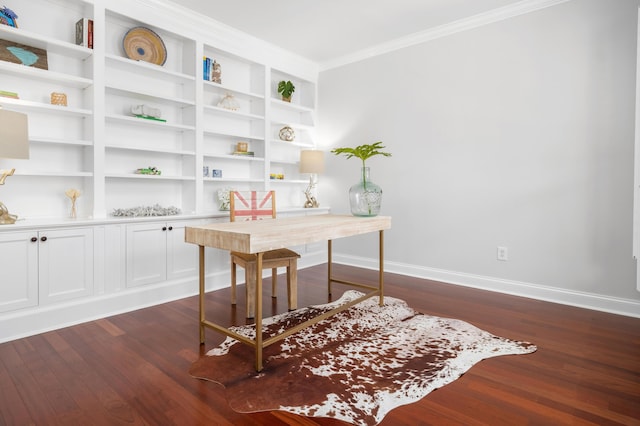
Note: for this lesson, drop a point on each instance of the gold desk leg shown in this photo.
(201, 293)
(381, 268)
(329, 272)
(258, 313)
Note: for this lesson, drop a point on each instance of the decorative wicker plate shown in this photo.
(142, 44)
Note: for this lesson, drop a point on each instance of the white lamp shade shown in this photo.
(311, 161)
(14, 134)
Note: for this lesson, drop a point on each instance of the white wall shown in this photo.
(519, 134)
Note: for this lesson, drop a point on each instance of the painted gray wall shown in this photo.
(519, 134)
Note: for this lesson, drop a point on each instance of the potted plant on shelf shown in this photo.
(365, 197)
(286, 89)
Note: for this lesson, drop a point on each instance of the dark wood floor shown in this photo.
(132, 368)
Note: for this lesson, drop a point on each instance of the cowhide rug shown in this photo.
(355, 366)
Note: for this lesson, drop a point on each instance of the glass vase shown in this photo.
(365, 197)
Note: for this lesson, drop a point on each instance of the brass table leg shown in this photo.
(329, 277)
(381, 268)
(258, 312)
(201, 294)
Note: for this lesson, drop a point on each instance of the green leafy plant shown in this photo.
(363, 152)
(286, 89)
(371, 197)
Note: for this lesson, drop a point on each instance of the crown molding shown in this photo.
(189, 23)
(475, 21)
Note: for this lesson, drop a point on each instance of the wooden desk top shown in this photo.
(270, 234)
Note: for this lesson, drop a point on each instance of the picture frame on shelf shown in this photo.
(22, 54)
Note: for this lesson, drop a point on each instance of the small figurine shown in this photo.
(229, 102)
(216, 73)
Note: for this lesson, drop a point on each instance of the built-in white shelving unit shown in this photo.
(99, 264)
(61, 148)
(95, 143)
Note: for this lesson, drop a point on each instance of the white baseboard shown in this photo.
(30, 321)
(40, 319)
(579, 299)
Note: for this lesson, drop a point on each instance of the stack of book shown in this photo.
(245, 153)
(84, 33)
(7, 94)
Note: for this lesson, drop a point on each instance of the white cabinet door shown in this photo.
(19, 266)
(146, 253)
(65, 264)
(157, 252)
(182, 258)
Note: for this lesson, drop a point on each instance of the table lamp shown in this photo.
(14, 143)
(311, 162)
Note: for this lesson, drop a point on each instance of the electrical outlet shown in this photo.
(503, 253)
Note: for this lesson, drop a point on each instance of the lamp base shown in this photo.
(4, 174)
(311, 200)
(6, 218)
(311, 204)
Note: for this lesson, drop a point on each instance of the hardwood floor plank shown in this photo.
(132, 369)
(9, 397)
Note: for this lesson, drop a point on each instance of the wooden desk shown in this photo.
(259, 236)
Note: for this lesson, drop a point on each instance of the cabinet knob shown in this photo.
(34, 239)
(43, 239)
(164, 228)
(171, 228)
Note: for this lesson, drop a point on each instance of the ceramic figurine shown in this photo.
(229, 102)
(216, 73)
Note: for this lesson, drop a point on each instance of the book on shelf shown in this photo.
(244, 153)
(84, 33)
(90, 35)
(7, 94)
(207, 64)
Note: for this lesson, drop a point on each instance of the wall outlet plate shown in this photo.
(502, 253)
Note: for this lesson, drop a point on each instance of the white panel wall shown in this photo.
(517, 134)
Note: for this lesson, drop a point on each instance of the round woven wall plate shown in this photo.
(142, 44)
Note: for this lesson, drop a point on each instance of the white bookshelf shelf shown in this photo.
(18, 35)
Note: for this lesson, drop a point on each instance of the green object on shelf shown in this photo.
(286, 89)
(148, 117)
(149, 171)
(7, 94)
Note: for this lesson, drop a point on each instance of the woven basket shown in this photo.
(58, 99)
